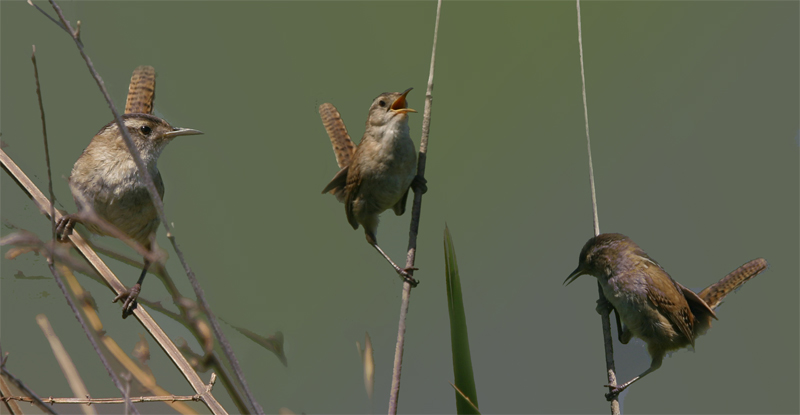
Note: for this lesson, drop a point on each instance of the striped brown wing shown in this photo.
(343, 147)
(714, 294)
(662, 294)
(142, 91)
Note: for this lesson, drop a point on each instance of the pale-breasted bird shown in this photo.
(105, 178)
(652, 306)
(377, 174)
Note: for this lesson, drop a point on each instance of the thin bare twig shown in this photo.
(604, 317)
(50, 264)
(85, 328)
(94, 401)
(21, 385)
(187, 318)
(134, 370)
(65, 361)
(46, 148)
(88, 215)
(32, 397)
(111, 280)
(48, 16)
(159, 205)
(12, 406)
(415, 215)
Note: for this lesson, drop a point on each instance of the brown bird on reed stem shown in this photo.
(377, 174)
(652, 306)
(106, 181)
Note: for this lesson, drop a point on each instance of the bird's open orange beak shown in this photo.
(399, 105)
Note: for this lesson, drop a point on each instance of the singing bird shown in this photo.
(376, 175)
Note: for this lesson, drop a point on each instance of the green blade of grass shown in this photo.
(459, 339)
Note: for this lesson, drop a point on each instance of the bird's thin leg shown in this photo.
(404, 273)
(131, 295)
(605, 308)
(615, 390)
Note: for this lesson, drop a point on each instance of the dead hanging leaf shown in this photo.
(368, 361)
(273, 343)
(141, 350)
(204, 331)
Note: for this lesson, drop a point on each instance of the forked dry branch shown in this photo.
(159, 206)
(108, 276)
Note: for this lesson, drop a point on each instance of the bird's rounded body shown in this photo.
(630, 292)
(381, 169)
(652, 306)
(106, 178)
(385, 165)
(378, 174)
(116, 193)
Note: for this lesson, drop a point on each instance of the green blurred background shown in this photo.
(693, 109)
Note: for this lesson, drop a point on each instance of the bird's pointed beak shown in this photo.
(181, 131)
(575, 274)
(399, 105)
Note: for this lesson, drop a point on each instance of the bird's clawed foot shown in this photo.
(603, 306)
(615, 390)
(419, 184)
(406, 274)
(64, 227)
(129, 304)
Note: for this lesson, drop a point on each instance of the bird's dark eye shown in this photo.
(145, 130)
(382, 104)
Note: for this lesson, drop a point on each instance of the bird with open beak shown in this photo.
(377, 174)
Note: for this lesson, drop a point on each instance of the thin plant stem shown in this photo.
(157, 202)
(608, 341)
(596, 221)
(111, 280)
(50, 264)
(85, 328)
(46, 148)
(117, 401)
(415, 215)
(185, 318)
(48, 16)
(34, 398)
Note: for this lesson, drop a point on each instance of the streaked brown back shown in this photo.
(343, 147)
(714, 294)
(142, 91)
